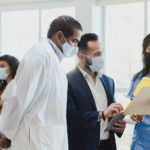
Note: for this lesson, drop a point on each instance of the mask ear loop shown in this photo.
(87, 64)
(9, 73)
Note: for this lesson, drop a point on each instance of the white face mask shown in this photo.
(3, 74)
(69, 50)
(97, 64)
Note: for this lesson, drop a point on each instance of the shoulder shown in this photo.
(71, 76)
(39, 53)
(75, 73)
(107, 78)
(137, 76)
(135, 80)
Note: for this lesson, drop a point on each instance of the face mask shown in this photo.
(69, 50)
(97, 64)
(3, 74)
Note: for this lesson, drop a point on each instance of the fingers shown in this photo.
(116, 107)
(4, 143)
(119, 130)
(137, 118)
(113, 109)
(120, 124)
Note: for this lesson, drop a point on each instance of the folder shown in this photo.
(140, 105)
(145, 82)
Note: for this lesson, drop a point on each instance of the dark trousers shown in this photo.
(105, 145)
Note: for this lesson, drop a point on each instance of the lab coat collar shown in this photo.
(57, 50)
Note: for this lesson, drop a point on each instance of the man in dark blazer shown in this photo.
(91, 101)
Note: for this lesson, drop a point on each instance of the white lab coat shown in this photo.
(34, 113)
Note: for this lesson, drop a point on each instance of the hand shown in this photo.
(4, 143)
(112, 110)
(1, 103)
(137, 118)
(119, 127)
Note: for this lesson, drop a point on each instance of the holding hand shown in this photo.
(112, 110)
(137, 118)
(119, 127)
(4, 143)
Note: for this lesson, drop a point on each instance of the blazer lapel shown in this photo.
(107, 90)
(85, 87)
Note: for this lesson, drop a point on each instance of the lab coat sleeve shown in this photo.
(26, 83)
(80, 119)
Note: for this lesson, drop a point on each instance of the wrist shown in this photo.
(103, 116)
(100, 115)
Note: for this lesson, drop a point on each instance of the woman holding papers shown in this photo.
(141, 138)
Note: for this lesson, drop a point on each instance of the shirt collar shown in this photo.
(85, 74)
(57, 50)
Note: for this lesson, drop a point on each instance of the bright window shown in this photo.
(19, 32)
(124, 35)
(123, 43)
(149, 17)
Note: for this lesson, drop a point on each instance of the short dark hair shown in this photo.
(66, 24)
(13, 63)
(82, 44)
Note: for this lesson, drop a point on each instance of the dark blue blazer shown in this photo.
(82, 114)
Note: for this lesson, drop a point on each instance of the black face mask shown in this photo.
(3, 84)
(146, 60)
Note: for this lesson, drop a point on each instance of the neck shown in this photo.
(92, 74)
(9, 79)
(56, 42)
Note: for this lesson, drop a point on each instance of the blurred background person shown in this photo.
(8, 68)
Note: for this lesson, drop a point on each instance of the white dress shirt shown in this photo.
(100, 98)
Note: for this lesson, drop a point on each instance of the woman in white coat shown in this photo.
(34, 116)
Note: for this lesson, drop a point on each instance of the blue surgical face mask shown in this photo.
(3, 74)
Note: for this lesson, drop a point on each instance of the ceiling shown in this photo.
(8, 2)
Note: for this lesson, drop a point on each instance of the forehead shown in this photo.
(77, 34)
(3, 63)
(93, 45)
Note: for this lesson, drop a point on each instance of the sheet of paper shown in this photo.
(140, 105)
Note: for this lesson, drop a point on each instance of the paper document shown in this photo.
(140, 105)
(145, 82)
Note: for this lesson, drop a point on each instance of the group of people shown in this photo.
(42, 108)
